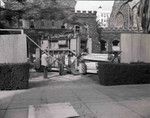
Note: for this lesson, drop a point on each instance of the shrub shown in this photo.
(14, 76)
(117, 73)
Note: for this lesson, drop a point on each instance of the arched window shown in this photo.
(116, 45)
(32, 23)
(20, 23)
(42, 23)
(103, 45)
(120, 20)
(53, 24)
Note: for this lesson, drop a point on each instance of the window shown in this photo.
(115, 43)
(32, 23)
(101, 15)
(77, 28)
(62, 27)
(103, 45)
(20, 23)
(42, 23)
(53, 24)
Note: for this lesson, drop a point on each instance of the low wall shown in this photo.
(135, 48)
(118, 74)
(14, 76)
(13, 48)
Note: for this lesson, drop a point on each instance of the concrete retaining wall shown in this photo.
(135, 48)
(13, 49)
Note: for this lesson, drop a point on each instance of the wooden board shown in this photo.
(91, 65)
(96, 57)
(92, 71)
(55, 110)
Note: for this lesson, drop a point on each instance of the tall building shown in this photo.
(2, 4)
(103, 18)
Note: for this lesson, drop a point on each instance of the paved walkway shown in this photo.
(87, 96)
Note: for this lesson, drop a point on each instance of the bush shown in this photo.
(117, 73)
(14, 76)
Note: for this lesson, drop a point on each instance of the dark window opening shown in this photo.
(53, 24)
(20, 23)
(32, 24)
(103, 45)
(62, 27)
(42, 23)
(115, 43)
(77, 28)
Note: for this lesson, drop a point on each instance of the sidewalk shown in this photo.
(86, 95)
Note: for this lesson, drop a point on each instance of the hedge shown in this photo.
(14, 76)
(118, 73)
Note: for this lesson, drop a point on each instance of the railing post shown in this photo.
(22, 31)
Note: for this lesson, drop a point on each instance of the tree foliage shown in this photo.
(39, 9)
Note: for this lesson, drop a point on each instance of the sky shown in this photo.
(94, 4)
(1, 3)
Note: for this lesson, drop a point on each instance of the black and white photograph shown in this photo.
(74, 58)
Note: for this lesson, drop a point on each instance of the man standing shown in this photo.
(44, 63)
(61, 63)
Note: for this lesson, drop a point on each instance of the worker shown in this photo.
(45, 63)
(61, 63)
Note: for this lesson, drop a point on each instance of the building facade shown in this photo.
(103, 18)
(88, 19)
(110, 39)
(120, 19)
(119, 22)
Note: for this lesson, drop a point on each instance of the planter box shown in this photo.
(14, 76)
(117, 74)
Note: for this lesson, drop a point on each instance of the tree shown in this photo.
(39, 9)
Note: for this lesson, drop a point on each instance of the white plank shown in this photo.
(91, 65)
(55, 110)
(96, 57)
(31, 113)
(92, 71)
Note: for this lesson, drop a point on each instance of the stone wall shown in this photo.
(41, 24)
(112, 34)
(123, 19)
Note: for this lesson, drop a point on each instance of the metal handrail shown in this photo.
(21, 30)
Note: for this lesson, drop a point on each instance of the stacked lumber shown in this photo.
(96, 57)
(91, 67)
(92, 60)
